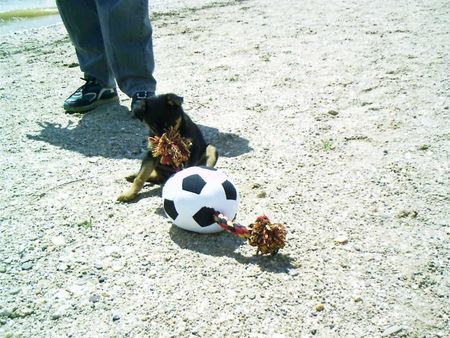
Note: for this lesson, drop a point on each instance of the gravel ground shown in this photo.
(330, 116)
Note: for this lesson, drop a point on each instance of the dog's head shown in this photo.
(161, 112)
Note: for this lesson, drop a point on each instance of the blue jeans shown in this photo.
(113, 41)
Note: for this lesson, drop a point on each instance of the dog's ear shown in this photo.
(174, 100)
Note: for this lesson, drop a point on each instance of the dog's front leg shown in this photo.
(147, 167)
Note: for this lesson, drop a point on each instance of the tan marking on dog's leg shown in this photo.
(211, 155)
(155, 177)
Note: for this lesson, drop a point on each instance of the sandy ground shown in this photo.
(331, 116)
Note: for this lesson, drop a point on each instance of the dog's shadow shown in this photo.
(227, 144)
(225, 244)
(110, 131)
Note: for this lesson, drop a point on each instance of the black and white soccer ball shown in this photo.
(192, 195)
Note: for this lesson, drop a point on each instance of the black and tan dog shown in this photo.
(159, 113)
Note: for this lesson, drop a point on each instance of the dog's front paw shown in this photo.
(127, 196)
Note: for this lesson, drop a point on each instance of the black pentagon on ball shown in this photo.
(193, 183)
(170, 209)
(230, 190)
(204, 217)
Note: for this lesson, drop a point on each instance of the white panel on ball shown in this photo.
(190, 195)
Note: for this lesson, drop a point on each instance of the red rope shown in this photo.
(267, 237)
(230, 226)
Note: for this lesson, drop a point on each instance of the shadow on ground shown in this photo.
(111, 132)
(225, 244)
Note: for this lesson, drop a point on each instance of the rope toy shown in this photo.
(171, 147)
(266, 236)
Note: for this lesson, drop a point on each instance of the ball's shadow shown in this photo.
(226, 244)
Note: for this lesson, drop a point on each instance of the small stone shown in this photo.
(341, 239)
(15, 291)
(296, 264)
(403, 214)
(26, 312)
(104, 294)
(344, 264)
(115, 318)
(423, 147)
(116, 254)
(357, 299)
(102, 279)
(262, 194)
(333, 112)
(407, 213)
(117, 267)
(27, 266)
(94, 298)
(2, 269)
(319, 307)
(144, 318)
(55, 316)
(58, 241)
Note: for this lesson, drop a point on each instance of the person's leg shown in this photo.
(81, 20)
(127, 33)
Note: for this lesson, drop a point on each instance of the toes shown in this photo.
(126, 197)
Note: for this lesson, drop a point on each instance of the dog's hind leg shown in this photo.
(211, 155)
